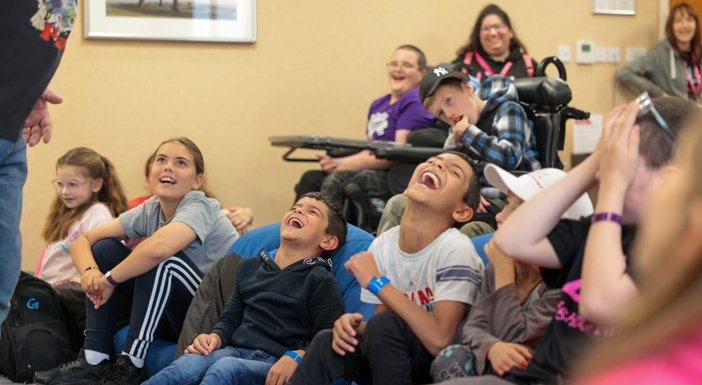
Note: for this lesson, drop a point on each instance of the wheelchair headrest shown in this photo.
(543, 91)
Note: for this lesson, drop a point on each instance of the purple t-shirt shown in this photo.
(406, 113)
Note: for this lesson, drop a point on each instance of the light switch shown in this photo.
(564, 53)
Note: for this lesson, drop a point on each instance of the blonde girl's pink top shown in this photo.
(55, 265)
(678, 363)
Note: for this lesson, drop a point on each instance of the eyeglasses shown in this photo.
(645, 106)
(404, 65)
(71, 185)
(496, 27)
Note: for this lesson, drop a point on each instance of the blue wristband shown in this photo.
(377, 283)
(293, 355)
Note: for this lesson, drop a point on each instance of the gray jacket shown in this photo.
(498, 316)
(660, 71)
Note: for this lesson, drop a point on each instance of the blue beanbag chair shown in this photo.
(479, 242)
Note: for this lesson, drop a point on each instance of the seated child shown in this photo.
(659, 338)
(487, 123)
(88, 194)
(423, 276)
(590, 259)
(514, 306)
(280, 300)
(391, 118)
(185, 233)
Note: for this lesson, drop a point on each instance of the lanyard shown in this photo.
(695, 85)
(488, 71)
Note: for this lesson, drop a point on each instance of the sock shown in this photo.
(138, 362)
(94, 357)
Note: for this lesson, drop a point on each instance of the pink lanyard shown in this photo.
(696, 85)
(488, 70)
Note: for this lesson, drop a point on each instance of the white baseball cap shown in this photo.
(527, 185)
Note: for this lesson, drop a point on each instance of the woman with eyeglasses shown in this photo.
(390, 118)
(673, 66)
(494, 49)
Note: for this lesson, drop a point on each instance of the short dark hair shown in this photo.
(472, 194)
(657, 148)
(421, 58)
(336, 223)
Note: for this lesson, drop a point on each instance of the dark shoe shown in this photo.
(76, 372)
(123, 372)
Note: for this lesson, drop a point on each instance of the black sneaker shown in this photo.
(123, 372)
(76, 372)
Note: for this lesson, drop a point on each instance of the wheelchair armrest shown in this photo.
(406, 154)
(574, 113)
(335, 147)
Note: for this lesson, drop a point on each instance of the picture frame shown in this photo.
(614, 7)
(222, 21)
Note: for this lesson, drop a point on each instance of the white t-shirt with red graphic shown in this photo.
(448, 269)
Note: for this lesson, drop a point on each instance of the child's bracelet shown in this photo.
(608, 217)
(294, 356)
(90, 268)
(377, 283)
(110, 280)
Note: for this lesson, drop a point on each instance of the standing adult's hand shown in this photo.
(38, 124)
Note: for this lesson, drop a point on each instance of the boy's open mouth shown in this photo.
(430, 180)
(295, 223)
(167, 179)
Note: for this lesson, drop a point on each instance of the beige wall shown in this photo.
(314, 70)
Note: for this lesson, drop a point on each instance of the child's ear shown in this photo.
(463, 213)
(199, 180)
(329, 243)
(97, 185)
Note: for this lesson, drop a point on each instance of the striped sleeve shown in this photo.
(459, 271)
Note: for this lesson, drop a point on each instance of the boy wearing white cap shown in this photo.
(514, 306)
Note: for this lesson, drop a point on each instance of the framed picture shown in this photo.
(614, 7)
(226, 21)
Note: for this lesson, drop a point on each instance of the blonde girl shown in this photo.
(88, 194)
(184, 231)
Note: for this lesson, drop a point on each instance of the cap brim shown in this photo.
(425, 92)
(500, 179)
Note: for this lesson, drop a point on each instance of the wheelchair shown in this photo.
(545, 100)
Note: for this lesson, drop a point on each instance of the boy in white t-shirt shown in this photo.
(423, 277)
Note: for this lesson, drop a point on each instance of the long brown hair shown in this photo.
(92, 166)
(473, 42)
(695, 47)
(668, 306)
(198, 159)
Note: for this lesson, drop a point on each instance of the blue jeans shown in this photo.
(227, 366)
(13, 173)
